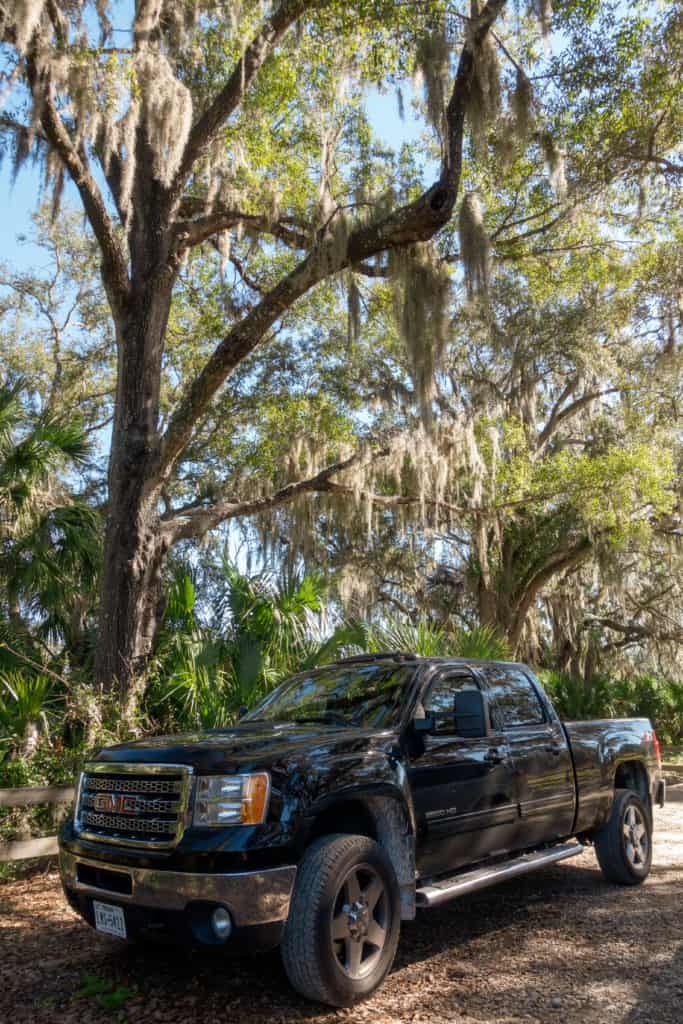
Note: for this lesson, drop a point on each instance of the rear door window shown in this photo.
(515, 701)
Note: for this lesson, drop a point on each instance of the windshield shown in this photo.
(361, 695)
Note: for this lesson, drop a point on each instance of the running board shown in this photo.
(448, 888)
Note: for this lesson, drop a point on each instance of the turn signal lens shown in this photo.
(255, 791)
(231, 800)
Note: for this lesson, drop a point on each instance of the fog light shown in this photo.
(221, 922)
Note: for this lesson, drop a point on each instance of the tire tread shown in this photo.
(608, 842)
(300, 952)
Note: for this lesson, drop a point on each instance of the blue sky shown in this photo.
(19, 200)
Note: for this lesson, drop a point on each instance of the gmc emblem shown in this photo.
(116, 803)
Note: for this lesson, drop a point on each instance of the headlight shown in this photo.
(231, 799)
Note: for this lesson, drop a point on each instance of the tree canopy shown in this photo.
(446, 373)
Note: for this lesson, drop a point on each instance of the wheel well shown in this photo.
(351, 816)
(632, 775)
(385, 821)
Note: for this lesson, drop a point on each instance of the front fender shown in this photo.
(375, 793)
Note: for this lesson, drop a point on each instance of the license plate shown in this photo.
(109, 919)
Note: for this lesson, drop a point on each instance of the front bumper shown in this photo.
(176, 900)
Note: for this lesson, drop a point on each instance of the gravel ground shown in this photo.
(560, 945)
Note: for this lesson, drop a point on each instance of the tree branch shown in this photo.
(417, 221)
(190, 232)
(194, 521)
(635, 631)
(559, 415)
(27, 132)
(230, 96)
(244, 274)
(114, 268)
(560, 561)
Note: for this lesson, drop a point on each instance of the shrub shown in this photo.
(644, 696)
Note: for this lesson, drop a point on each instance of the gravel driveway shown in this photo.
(560, 945)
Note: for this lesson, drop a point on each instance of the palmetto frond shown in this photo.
(50, 542)
(26, 702)
(427, 639)
(32, 450)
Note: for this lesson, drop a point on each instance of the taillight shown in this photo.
(658, 753)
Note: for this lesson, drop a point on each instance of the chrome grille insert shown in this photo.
(111, 821)
(134, 785)
(133, 804)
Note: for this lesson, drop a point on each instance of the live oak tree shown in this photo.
(242, 126)
(546, 490)
(164, 139)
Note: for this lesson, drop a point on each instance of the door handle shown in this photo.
(494, 756)
(553, 748)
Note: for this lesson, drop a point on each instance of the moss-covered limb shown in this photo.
(406, 225)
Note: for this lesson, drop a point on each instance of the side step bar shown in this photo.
(448, 888)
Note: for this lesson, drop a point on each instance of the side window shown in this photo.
(439, 701)
(514, 698)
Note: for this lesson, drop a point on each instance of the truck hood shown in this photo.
(250, 746)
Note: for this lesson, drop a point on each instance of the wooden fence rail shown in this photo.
(46, 846)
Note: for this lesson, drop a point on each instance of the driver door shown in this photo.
(462, 786)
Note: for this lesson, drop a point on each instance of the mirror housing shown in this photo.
(424, 725)
(470, 714)
(467, 719)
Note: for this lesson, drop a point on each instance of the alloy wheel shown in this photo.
(635, 837)
(360, 921)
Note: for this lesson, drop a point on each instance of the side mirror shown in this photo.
(242, 712)
(470, 714)
(424, 725)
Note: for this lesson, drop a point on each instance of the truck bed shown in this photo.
(596, 744)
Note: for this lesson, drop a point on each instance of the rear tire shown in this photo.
(624, 843)
(344, 921)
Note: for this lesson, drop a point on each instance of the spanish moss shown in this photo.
(475, 246)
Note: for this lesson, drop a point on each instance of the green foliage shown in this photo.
(427, 639)
(47, 765)
(50, 541)
(55, 765)
(576, 699)
(259, 633)
(659, 699)
(644, 696)
(481, 642)
(27, 703)
(263, 633)
(109, 997)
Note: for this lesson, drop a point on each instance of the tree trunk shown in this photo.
(30, 740)
(134, 546)
(487, 601)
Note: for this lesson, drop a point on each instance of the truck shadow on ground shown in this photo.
(247, 985)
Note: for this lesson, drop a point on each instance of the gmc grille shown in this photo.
(133, 805)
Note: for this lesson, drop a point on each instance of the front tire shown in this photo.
(624, 844)
(344, 921)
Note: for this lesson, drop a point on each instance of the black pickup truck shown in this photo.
(350, 797)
